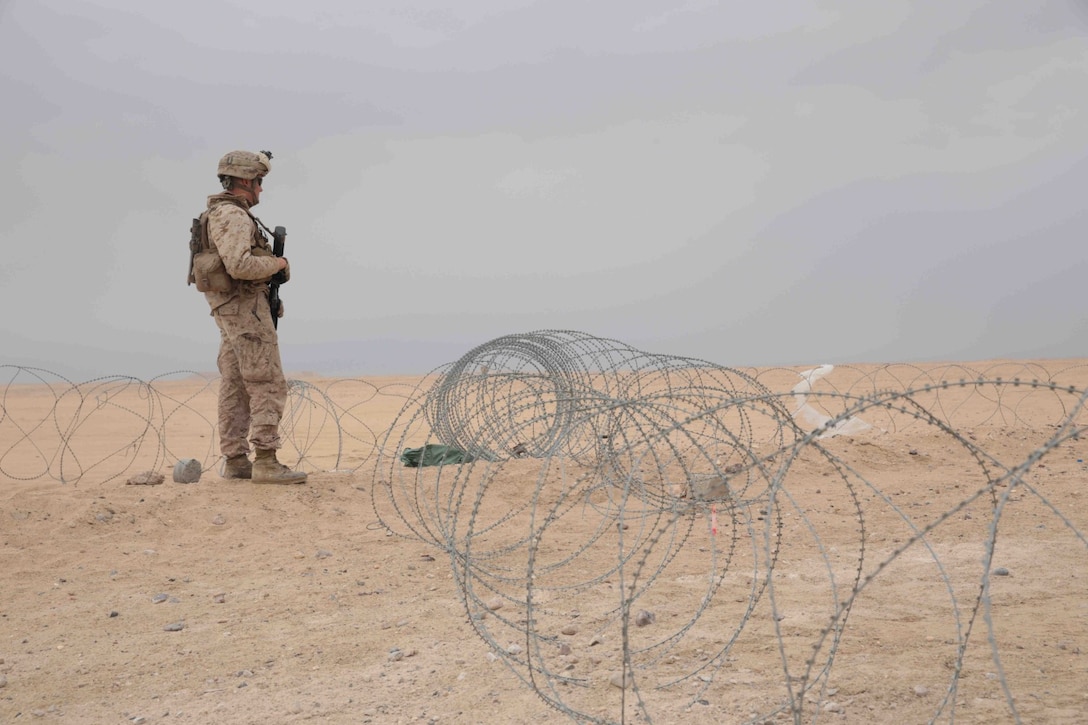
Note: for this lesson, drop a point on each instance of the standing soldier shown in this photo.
(252, 388)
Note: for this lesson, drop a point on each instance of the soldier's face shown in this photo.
(252, 190)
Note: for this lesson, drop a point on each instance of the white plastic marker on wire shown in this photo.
(807, 415)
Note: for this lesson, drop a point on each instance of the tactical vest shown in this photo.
(206, 268)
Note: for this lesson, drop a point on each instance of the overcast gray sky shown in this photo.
(752, 183)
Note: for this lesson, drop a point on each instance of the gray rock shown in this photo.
(187, 470)
(709, 488)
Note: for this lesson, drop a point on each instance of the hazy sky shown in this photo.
(791, 182)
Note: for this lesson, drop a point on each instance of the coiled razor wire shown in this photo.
(641, 536)
(150, 424)
(718, 499)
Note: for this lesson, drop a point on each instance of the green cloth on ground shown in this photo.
(433, 454)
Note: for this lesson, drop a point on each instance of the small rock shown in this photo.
(323, 554)
(395, 655)
(147, 478)
(219, 520)
(187, 470)
(114, 613)
(494, 604)
(1001, 571)
(564, 649)
(3, 680)
(921, 690)
(159, 598)
(569, 629)
(175, 627)
(708, 489)
(644, 617)
(219, 598)
(616, 680)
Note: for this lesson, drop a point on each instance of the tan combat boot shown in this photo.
(266, 469)
(238, 467)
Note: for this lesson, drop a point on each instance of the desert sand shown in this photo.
(928, 564)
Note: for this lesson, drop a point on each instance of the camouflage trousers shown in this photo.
(252, 387)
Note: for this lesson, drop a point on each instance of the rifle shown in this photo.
(196, 246)
(279, 236)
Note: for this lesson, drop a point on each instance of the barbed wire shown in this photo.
(145, 425)
(653, 518)
(701, 481)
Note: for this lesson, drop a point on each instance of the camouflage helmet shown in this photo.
(245, 164)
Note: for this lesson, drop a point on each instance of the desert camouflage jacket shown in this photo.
(243, 247)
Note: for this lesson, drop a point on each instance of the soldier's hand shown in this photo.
(284, 275)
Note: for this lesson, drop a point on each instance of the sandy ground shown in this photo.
(228, 602)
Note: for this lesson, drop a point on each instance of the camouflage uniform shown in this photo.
(253, 389)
